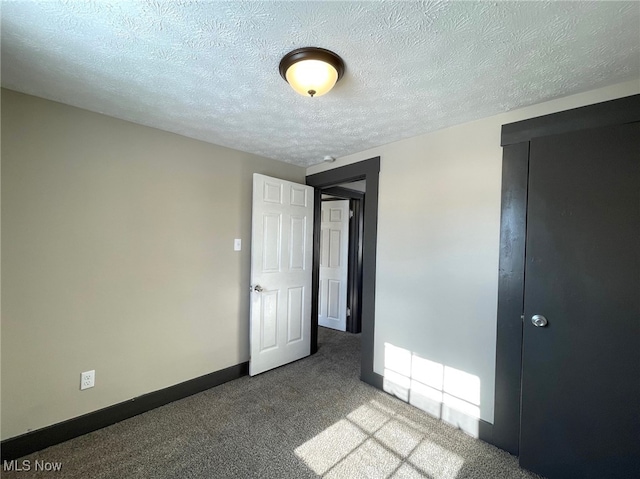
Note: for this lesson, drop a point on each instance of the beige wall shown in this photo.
(438, 240)
(117, 249)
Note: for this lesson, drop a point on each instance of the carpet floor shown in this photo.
(312, 418)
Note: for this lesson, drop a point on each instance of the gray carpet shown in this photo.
(308, 419)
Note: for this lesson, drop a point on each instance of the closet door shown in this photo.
(580, 412)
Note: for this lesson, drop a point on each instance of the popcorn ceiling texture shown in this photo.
(209, 70)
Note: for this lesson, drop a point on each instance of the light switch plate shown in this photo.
(237, 244)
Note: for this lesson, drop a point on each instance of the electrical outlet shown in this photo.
(87, 379)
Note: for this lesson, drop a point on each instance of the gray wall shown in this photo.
(437, 258)
(117, 251)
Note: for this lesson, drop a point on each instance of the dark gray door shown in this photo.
(581, 372)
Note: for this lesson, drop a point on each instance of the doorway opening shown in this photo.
(340, 289)
(367, 171)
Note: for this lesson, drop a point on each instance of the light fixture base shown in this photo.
(311, 53)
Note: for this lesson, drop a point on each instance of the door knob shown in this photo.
(258, 289)
(539, 320)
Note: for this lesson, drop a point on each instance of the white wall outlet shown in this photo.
(87, 379)
(237, 244)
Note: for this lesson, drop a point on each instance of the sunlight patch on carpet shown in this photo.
(375, 441)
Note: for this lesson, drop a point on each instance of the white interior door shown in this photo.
(334, 261)
(281, 261)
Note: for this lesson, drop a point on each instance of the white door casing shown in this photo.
(281, 263)
(334, 262)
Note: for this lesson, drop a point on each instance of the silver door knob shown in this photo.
(539, 320)
(258, 289)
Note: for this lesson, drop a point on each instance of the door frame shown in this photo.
(515, 140)
(354, 279)
(368, 170)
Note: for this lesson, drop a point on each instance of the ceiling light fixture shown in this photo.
(311, 71)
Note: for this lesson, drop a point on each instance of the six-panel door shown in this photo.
(281, 262)
(334, 257)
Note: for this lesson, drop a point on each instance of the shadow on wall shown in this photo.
(441, 391)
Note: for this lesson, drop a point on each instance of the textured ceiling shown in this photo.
(209, 70)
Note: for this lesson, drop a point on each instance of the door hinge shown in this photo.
(522, 317)
(350, 213)
(348, 311)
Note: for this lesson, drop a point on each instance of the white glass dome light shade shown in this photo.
(311, 71)
(312, 77)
